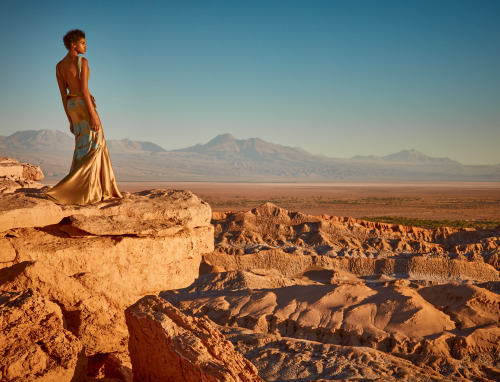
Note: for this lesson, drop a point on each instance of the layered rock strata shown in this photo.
(166, 345)
(448, 329)
(272, 234)
(143, 243)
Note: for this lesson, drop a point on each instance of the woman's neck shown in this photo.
(72, 54)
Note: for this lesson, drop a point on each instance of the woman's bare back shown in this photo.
(74, 77)
(68, 70)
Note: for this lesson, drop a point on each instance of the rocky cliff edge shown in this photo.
(81, 267)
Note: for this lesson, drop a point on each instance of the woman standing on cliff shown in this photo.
(91, 177)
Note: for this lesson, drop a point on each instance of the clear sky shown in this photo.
(338, 78)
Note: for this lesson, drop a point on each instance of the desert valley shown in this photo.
(197, 281)
(249, 191)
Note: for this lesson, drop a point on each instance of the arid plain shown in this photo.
(436, 201)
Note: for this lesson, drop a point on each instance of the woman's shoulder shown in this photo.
(58, 70)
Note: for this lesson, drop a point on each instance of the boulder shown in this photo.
(10, 168)
(32, 172)
(166, 345)
(34, 345)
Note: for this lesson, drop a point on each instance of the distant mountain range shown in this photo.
(226, 158)
(407, 156)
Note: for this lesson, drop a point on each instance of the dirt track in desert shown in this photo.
(451, 201)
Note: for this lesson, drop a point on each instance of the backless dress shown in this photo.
(91, 178)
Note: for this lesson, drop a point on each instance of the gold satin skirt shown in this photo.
(91, 178)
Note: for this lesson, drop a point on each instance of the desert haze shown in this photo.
(228, 159)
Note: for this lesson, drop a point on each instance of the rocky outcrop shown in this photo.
(451, 329)
(90, 263)
(15, 176)
(144, 243)
(289, 359)
(96, 319)
(166, 345)
(174, 207)
(270, 228)
(34, 345)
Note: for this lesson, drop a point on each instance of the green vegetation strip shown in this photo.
(424, 223)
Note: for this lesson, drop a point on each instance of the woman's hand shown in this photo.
(95, 123)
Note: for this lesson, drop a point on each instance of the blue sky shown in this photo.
(338, 78)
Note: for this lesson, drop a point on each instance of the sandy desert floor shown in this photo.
(451, 201)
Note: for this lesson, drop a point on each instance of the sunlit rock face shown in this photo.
(15, 176)
(33, 341)
(143, 243)
(166, 345)
(87, 264)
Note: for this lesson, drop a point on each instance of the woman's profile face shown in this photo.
(80, 46)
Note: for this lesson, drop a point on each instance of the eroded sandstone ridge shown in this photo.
(326, 298)
(81, 268)
(166, 345)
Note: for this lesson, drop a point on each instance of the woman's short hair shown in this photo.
(72, 36)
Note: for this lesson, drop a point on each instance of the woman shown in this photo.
(91, 178)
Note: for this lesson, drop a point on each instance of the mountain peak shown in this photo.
(414, 156)
(222, 138)
(127, 146)
(227, 147)
(39, 140)
(410, 155)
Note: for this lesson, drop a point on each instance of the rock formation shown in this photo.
(143, 243)
(452, 327)
(272, 234)
(90, 263)
(15, 176)
(166, 345)
(326, 298)
(34, 345)
(95, 318)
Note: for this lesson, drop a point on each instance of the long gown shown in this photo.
(91, 178)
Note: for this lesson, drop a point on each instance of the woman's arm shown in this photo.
(95, 122)
(64, 96)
